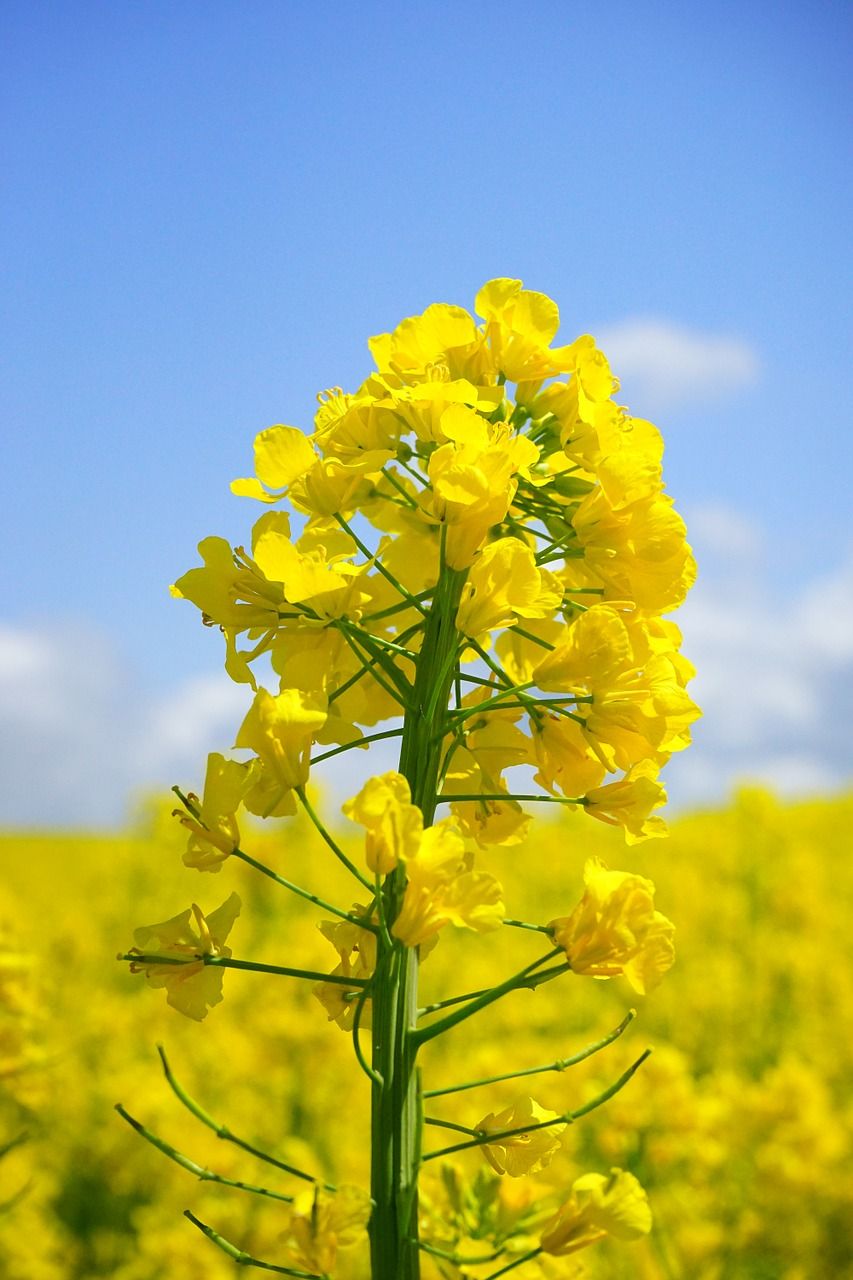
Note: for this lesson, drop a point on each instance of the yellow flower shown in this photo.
(215, 834)
(319, 1223)
(280, 729)
(282, 454)
(443, 340)
(525, 1152)
(473, 479)
(356, 948)
(520, 324)
(394, 825)
(229, 590)
(629, 802)
(504, 584)
(444, 889)
(615, 929)
(490, 821)
(563, 755)
(598, 1207)
(192, 987)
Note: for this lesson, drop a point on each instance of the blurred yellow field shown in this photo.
(739, 1125)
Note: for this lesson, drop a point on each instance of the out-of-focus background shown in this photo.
(206, 210)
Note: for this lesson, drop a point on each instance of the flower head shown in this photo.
(615, 929)
(598, 1206)
(171, 955)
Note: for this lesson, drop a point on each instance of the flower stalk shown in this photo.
(481, 573)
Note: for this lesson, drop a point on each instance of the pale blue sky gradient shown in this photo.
(208, 207)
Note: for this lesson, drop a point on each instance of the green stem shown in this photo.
(242, 1258)
(248, 966)
(356, 742)
(203, 1174)
(339, 853)
(423, 1034)
(224, 1133)
(568, 1117)
(303, 893)
(525, 1257)
(561, 1064)
(395, 1094)
(374, 559)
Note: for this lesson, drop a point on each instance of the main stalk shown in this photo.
(395, 1093)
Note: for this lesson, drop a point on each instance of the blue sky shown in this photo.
(208, 207)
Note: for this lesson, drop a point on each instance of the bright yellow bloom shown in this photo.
(638, 553)
(504, 584)
(280, 729)
(473, 479)
(356, 948)
(520, 325)
(615, 929)
(319, 1223)
(191, 986)
(489, 822)
(394, 825)
(630, 680)
(629, 803)
(282, 454)
(215, 834)
(229, 590)
(308, 576)
(525, 1152)
(443, 341)
(565, 761)
(598, 1207)
(443, 888)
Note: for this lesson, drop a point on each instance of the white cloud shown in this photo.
(775, 680)
(721, 531)
(79, 735)
(663, 365)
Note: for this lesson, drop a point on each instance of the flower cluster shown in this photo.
(476, 559)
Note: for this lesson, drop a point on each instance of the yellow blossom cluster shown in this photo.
(738, 1126)
(472, 553)
(481, 449)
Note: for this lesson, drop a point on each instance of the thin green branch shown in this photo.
(143, 958)
(203, 1174)
(568, 1117)
(506, 795)
(530, 983)
(392, 690)
(338, 852)
(356, 742)
(303, 893)
(391, 609)
(401, 489)
(561, 1064)
(372, 1075)
(448, 1124)
(525, 1257)
(356, 637)
(528, 635)
(371, 556)
(224, 1133)
(458, 1259)
(242, 1258)
(523, 924)
(488, 997)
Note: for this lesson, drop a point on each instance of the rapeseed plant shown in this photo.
(485, 550)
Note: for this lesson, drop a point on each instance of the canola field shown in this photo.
(739, 1125)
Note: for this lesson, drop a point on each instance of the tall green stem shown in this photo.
(396, 1102)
